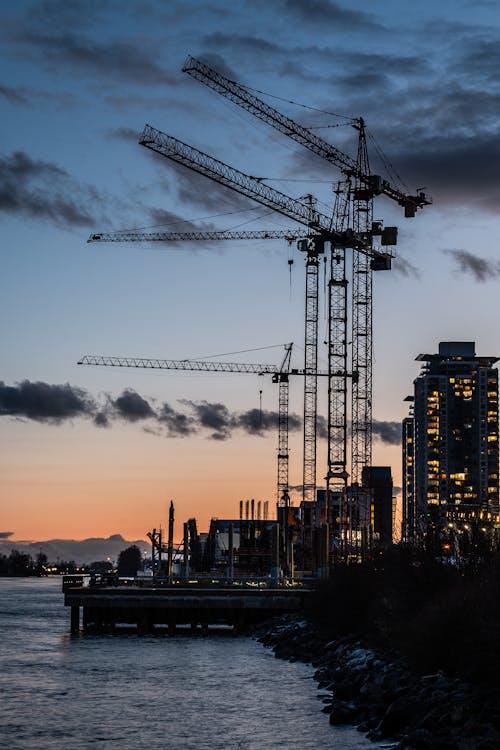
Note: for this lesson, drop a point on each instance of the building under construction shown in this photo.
(302, 541)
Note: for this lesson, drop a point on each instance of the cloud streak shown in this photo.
(40, 189)
(41, 402)
(58, 404)
(467, 263)
(387, 432)
(319, 12)
(404, 267)
(13, 95)
(115, 59)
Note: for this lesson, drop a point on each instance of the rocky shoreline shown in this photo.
(378, 693)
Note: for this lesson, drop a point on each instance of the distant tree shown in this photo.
(101, 566)
(20, 564)
(68, 567)
(4, 565)
(41, 564)
(129, 561)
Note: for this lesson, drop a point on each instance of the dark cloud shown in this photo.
(320, 12)
(240, 43)
(163, 218)
(129, 135)
(26, 96)
(215, 416)
(222, 422)
(321, 427)
(367, 70)
(452, 167)
(43, 402)
(61, 15)
(457, 169)
(479, 60)
(443, 137)
(217, 62)
(175, 422)
(42, 190)
(6, 534)
(118, 59)
(387, 432)
(196, 190)
(101, 419)
(55, 404)
(481, 269)
(14, 96)
(257, 421)
(132, 407)
(403, 267)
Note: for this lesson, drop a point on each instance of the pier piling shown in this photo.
(75, 619)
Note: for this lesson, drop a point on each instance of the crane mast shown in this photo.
(362, 326)
(282, 379)
(337, 348)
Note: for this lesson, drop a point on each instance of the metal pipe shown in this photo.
(231, 552)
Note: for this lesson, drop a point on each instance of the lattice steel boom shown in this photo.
(139, 236)
(280, 375)
(216, 170)
(244, 98)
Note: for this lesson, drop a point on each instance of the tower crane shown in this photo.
(366, 186)
(350, 167)
(319, 231)
(280, 375)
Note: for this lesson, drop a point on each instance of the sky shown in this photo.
(98, 451)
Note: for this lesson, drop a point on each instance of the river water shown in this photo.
(62, 692)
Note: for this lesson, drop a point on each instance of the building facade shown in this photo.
(450, 444)
(378, 479)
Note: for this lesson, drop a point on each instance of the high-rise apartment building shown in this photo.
(450, 444)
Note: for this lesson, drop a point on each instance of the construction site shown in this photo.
(347, 506)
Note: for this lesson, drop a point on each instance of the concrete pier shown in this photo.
(170, 606)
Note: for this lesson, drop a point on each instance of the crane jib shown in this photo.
(243, 97)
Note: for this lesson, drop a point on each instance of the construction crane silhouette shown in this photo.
(362, 186)
(319, 231)
(354, 230)
(280, 375)
(357, 169)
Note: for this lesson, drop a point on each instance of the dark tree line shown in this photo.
(20, 564)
